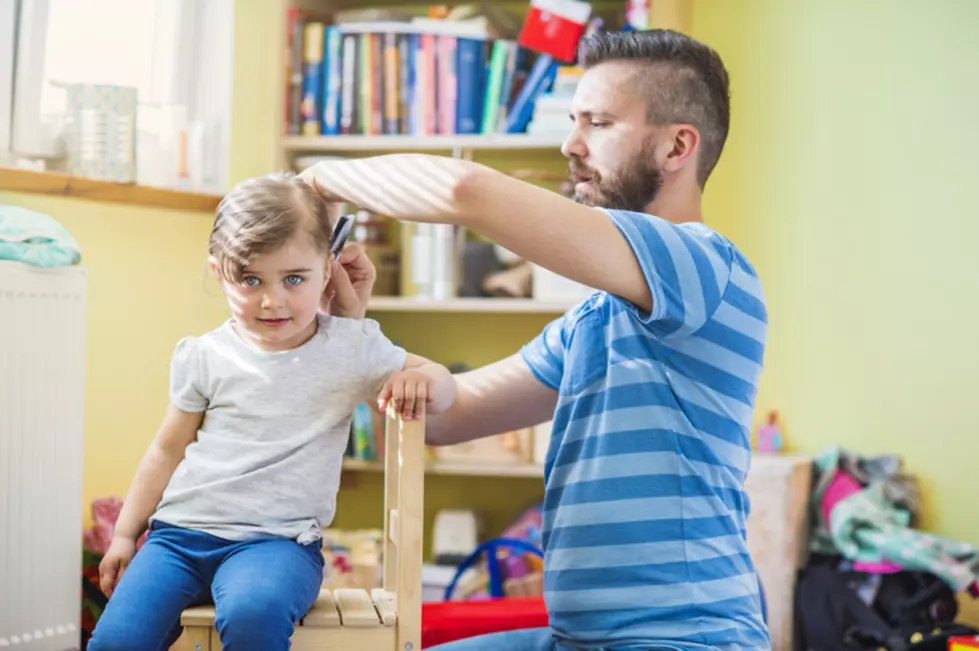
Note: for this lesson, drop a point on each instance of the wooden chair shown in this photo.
(389, 618)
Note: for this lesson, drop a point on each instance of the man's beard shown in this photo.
(633, 188)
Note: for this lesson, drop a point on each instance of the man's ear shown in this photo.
(681, 148)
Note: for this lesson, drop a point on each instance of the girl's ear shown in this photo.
(212, 266)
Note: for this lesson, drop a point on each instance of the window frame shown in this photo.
(194, 68)
(8, 48)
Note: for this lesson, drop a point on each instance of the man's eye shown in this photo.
(293, 279)
(598, 124)
(251, 281)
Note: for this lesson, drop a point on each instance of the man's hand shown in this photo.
(350, 284)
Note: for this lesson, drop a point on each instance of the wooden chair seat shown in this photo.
(349, 619)
(342, 607)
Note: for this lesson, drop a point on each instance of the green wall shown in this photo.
(850, 181)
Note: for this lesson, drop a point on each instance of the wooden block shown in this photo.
(356, 608)
(198, 616)
(385, 604)
(323, 613)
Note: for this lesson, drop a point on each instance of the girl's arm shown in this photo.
(179, 429)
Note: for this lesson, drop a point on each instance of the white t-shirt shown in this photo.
(267, 457)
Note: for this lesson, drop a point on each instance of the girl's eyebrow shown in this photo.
(296, 271)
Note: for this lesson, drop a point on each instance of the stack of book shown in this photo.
(417, 77)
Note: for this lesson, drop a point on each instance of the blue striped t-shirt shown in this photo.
(644, 506)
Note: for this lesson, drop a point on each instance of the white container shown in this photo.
(100, 132)
(422, 248)
(445, 262)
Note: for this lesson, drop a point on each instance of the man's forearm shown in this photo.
(402, 186)
(501, 397)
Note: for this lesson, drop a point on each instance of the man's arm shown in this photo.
(500, 397)
(552, 231)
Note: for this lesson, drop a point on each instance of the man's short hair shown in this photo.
(685, 82)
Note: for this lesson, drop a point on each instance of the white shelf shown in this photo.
(337, 144)
(466, 469)
(477, 305)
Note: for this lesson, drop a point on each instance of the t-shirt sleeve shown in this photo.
(544, 354)
(687, 268)
(186, 385)
(380, 357)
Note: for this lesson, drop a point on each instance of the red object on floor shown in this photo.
(447, 621)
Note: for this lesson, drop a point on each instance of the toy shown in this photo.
(769, 436)
(964, 643)
(456, 532)
(385, 619)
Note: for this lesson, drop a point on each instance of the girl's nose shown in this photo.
(270, 300)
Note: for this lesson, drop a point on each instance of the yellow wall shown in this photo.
(147, 289)
(850, 182)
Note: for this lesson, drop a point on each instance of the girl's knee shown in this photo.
(255, 622)
(123, 636)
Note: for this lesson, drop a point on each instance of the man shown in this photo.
(650, 382)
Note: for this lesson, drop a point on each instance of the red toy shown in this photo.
(447, 621)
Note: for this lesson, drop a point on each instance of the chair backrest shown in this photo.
(404, 498)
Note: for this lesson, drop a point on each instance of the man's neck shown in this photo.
(677, 204)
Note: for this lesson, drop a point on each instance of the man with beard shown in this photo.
(650, 382)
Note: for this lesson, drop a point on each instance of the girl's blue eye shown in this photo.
(293, 279)
(251, 281)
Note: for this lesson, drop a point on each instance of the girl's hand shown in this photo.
(408, 390)
(114, 563)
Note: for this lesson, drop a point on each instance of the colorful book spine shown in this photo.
(333, 74)
(422, 79)
(312, 102)
(470, 81)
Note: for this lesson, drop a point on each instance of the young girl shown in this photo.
(244, 471)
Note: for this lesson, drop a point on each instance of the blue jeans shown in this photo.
(259, 588)
(528, 639)
(531, 639)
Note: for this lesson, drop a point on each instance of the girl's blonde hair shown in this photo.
(261, 214)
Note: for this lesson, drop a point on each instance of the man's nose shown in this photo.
(574, 145)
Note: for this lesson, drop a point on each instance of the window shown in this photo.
(176, 54)
(8, 21)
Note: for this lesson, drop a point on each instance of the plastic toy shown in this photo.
(769, 435)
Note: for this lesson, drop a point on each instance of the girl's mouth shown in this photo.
(274, 323)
